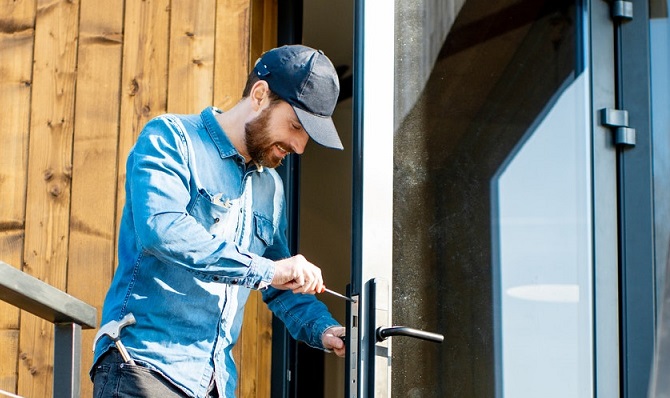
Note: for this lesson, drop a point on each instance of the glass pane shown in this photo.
(542, 207)
(480, 86)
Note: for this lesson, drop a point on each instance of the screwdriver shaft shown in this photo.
(334, 293)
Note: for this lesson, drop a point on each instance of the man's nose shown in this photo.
(300, 141)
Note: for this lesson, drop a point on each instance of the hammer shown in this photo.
(112, 329)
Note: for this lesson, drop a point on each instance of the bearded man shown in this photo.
(205, 222)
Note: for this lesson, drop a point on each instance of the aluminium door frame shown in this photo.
(623, 202)
(605, 251)
(372, 212)
(635, 201)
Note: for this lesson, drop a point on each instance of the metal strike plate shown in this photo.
(352, 341)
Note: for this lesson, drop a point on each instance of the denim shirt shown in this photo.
(199, 229)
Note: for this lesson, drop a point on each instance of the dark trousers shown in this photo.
(113, 378)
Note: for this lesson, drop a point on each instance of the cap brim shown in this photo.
(320, 128)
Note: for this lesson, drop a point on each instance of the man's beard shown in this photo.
(259, 144)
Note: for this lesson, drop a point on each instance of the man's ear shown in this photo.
(259, 94)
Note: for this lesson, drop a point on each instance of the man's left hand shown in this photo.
(331, 340)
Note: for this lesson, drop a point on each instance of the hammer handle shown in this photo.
(124, 353)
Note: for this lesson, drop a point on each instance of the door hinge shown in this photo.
(617, 120)
(621, 10)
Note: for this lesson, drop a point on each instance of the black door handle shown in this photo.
(384, 332)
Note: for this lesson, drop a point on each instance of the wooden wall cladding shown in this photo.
(78, 81)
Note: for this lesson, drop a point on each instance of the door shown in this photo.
(486, 202)
(368, 374)
(370, 319)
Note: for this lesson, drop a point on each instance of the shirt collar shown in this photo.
(223, 144)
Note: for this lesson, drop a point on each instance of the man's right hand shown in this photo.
(297, 274)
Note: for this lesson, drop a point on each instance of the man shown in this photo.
(204, 222)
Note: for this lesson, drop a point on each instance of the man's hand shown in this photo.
(297, 274)
(331, 340)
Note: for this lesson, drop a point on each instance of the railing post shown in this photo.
(67, 360)
(68, 314)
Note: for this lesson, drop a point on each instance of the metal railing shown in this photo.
(68, 314)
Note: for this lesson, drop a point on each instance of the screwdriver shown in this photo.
(339, 295)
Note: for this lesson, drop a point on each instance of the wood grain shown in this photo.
(16, 51)
(191, 65)
(144, 79)
(49, 178)
(92, 232)
(78, 81)
(231, 52)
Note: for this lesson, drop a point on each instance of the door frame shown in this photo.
(635, 203)
(605, 251)
(372, 214)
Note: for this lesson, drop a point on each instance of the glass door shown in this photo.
(368, 374)
(370, 321)
(484, 200)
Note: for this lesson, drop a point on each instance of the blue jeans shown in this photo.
(113, 378)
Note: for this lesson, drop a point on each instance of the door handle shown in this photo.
(384, 332)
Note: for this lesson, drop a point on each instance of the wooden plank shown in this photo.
(257, 33)
(232, 62)
(270, 22)
(144, 78)
(256, 337)
(264, 366)
(249, 348)
(16, 51)
(191, 64)
(264, 332)
(49, 174)
(8, 350)
(92, 215)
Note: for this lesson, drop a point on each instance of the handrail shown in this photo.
(68, 314)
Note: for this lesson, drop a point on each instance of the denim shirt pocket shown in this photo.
(263, 232)
(210, 211)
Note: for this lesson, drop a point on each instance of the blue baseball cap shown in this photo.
(307, 80)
